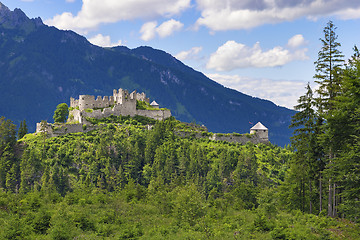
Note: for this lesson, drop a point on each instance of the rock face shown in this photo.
(17, 18)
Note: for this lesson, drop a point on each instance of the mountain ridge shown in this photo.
(42, 66)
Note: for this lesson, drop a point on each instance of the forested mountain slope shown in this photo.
(123, 181)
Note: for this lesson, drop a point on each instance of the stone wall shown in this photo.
(55, 130)
(155, 114)
(234, 138)
(88, 101)
(128, 108)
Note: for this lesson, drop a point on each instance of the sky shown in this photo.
(263, 48)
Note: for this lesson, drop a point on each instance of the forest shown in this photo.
(127, 180)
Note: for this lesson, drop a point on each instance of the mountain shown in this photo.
(41, 66)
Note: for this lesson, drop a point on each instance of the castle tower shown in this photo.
(261, 131)
(154, 104)
(86, 101)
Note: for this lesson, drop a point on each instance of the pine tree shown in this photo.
(304, 141)
(23, 130)
(328, 75)
(344, 124)
(328, 68)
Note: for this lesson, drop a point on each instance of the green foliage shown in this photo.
(23, 130)
(325, 168)
(142, 105)
(61, 113)
(136, 120)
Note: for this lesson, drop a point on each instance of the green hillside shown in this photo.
(123, 181)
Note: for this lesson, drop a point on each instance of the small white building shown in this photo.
(154, 104)
(261, 131)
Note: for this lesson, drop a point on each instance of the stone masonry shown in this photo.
(121, 103)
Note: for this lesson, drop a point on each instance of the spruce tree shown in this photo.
(344, 124)
(304, 142)
(328, 75)
(328, 68)
(23, 130)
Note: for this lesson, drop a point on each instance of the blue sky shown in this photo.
(264, 48)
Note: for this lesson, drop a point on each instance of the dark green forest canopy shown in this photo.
(124, 181)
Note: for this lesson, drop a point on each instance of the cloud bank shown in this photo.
(233, 55)
(281, 92)
(96, 12)
(190, 54)
(150, 29)
(247, 14)
(103, 41)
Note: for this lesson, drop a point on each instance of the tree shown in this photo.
(305, 163)
(344, 124)
(328, 68)
(7, 143)
(7, 134)
(23, 130)
(328, 75)
(61, 113)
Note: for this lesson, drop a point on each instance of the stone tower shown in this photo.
(260, 130)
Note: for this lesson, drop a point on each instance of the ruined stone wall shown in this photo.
(55, 130)
(120, 96)
(74, 103)
(88, 101)
(234, 138)
(128, 107)
(242, 139)
(155, 114)
(142, 97)
(74, 116)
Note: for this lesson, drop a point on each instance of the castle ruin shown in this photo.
(121, 103)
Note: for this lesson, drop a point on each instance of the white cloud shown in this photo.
(281, 92)
(96, 12)
(27, 0)
(167, 28)
(233, 55)
(149, 30)
(70, 1)
(296, 41)
(103, 41)
(190, 54)
(247, 14)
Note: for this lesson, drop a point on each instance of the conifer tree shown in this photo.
(328, 75)
(304, 141)
(328, 68)
(344, 124)
(23, 130)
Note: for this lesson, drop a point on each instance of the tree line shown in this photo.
(325, 169)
